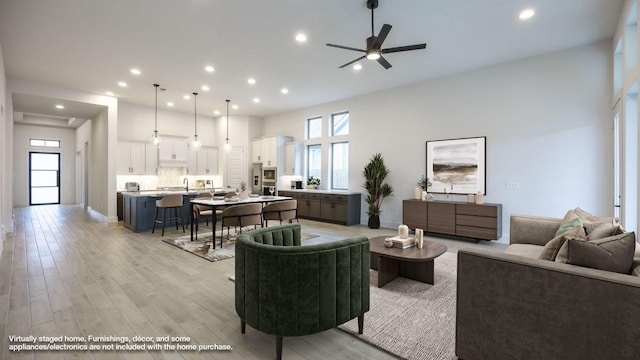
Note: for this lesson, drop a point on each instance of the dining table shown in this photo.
(215, 203)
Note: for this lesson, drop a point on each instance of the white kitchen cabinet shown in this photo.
(131, 158)
(256, 151)
(293, 158)
(273, 151)
(207, 161)
(192, 162)
(151, 159)
(173, 151)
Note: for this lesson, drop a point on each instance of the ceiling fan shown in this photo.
(374, 49)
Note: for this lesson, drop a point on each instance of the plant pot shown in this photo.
(374, 222)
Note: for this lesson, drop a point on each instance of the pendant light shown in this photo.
(195, 143)
(227, 147)
(155, 139)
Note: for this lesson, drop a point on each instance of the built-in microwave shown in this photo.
(269, 174)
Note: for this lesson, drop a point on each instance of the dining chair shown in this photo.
(239, 215)
(286, 210)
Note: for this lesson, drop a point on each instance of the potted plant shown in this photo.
(313, 182)
(375, 173)
(424, 183)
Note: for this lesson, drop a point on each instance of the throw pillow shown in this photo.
(604, 230)
(614, 253)
(550, 250)
(570, 220)
(591, 222)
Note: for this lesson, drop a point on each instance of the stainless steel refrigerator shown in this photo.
(256, 178)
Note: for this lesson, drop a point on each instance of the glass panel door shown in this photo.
(44, 178)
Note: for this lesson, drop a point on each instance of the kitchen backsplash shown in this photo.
(168, 177)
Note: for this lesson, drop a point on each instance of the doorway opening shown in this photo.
(44, 178)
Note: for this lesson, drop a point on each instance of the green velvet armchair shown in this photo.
(285, 289)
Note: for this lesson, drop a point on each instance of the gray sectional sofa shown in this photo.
(513, 305)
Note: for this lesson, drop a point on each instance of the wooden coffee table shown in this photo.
(411, 263)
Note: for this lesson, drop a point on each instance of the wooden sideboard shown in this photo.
(337, 207)
(468, 220)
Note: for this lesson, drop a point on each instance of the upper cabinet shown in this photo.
(131, 158)
(173, 151)
(293, 158)
(269, 151)
(207, 161)
(151, 160)
(256, 151)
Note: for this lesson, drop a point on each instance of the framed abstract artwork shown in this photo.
(457, 166)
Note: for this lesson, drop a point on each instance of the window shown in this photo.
(340, 124)
(44, 143)
(340, 166)
(314, 161)
(314, 128)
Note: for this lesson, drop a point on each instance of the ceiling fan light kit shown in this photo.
(374, 49)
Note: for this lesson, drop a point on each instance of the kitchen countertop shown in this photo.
(314, 191)
(164, 192)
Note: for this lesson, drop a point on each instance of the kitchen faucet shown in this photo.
(186, 180)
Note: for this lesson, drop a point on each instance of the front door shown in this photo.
(44, 178)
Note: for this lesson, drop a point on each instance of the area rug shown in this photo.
(411, 319)
(203, 246)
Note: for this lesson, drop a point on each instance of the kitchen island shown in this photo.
(334, 206)
(139, 207)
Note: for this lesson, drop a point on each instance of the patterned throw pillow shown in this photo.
(570, 220)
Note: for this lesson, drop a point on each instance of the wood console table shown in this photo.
(468, 220)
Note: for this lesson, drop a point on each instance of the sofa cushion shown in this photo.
(591, 222)
(604, 230)
(614, 253)
(551, 249)
(528, 250)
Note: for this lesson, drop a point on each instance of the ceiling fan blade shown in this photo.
(403, 48)
(381, 36)
(384, 62)
(346, 47)
(351, 62)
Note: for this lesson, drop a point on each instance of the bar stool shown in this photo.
(172, 201)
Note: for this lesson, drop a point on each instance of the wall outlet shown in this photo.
(512, 185)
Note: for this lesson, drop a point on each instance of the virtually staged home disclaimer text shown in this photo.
(19, 343)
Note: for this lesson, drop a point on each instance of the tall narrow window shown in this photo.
(340, 166)
(44, 178)
(340, 123)
(314, 128)
(314, 160)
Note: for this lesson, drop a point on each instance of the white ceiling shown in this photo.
(90, 45)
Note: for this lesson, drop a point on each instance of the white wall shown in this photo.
(546, 119)
(21, 135)
(136, 123)
(6, 125)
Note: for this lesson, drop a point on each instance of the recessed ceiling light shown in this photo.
(300, 37)
(135, 71)
(357, 67)
(122, 84)
(235, 107)
(209, 68)
(169, 104)
(109, 93)
(251, 81)
(256, 100)
(205, 88)
(187, 97)
(216, 112)
(526, 14)
(284, 90)
(59, 106)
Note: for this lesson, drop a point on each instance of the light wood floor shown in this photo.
(64, 273)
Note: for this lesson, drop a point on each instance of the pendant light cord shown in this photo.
(155, 129)
(195, 116)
